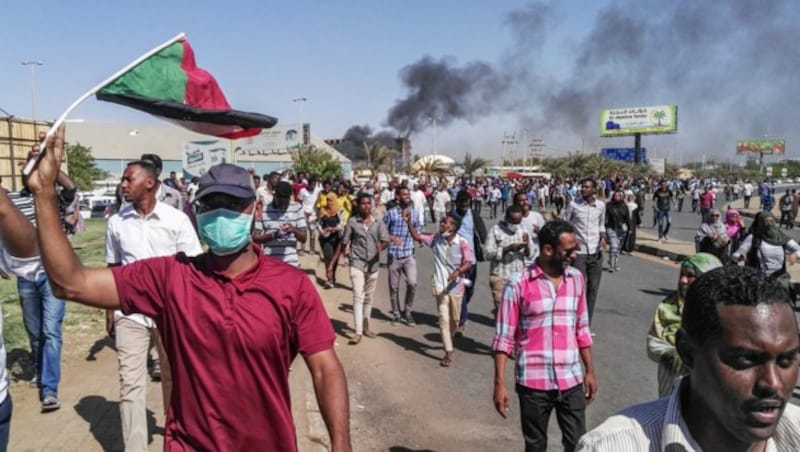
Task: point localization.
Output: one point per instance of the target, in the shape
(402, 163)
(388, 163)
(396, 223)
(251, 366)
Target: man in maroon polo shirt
(230, 331)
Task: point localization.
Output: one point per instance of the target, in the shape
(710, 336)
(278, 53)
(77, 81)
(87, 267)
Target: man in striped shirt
(281, 226)
(739, 337)
(543, 318)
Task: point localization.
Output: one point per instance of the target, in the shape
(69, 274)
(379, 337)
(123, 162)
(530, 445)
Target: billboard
(630, 121)
(658, 166)
(199, 156)
(279, 140)
(622, 154)
(776, 146)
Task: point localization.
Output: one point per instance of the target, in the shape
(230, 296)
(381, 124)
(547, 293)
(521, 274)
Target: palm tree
(431, 167)
(473, 165)
(378, 156)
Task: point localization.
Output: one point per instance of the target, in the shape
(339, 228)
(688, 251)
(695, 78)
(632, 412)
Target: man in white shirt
(164, 192)
(531, 222)
(747, 192)
(739, 338)
(143, 229)
(420, 204)
(18, 257)
(441, 202)
(308, 199)
(588, 215)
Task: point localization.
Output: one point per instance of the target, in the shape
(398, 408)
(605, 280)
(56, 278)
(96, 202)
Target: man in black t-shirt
(662, 203)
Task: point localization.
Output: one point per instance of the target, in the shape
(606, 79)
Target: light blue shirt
(467, 230)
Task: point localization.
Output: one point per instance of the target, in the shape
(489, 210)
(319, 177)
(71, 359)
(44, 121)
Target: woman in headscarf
(768, 248)
(667, 322)
(330, 228)
(618, 221)
(712, 237)
(734, 228)
(630, 238)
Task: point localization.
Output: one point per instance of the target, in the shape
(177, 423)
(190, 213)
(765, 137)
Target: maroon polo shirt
(230, 343)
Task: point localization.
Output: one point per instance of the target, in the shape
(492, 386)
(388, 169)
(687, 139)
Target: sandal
(370, 334)
(446, 361)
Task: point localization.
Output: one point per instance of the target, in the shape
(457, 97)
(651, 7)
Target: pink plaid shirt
(547, 326)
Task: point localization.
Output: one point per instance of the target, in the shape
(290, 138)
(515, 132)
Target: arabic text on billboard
(622, 154)
(630, 121)
(199, 156)
(761, 146)
(281, 140)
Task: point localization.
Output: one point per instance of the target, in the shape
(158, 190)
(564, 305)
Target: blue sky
(345, 58)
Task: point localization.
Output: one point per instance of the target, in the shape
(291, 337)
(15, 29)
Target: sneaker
(611, 269)
(328, 285)
(355, 340)
(410, 319)
(397, 320)
(616, 269)
(34, 383)
(50, 403)
(155, 373)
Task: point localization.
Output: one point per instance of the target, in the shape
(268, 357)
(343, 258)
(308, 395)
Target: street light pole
(32, 65)
(300, 101)
(434, 119)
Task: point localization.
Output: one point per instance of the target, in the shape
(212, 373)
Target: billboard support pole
(637, 148)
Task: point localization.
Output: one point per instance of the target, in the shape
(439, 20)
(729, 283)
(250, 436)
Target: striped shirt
(547, 326)
(398, 228)
(447, 257)
(284, 247)
(503, 264)
(25, 205)
(659, 425)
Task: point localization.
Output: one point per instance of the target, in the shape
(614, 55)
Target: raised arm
(68, 277)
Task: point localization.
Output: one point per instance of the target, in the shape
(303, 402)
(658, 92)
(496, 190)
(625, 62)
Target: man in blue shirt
(401, 256)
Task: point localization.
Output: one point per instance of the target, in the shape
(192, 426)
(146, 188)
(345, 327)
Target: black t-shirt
(663, 198)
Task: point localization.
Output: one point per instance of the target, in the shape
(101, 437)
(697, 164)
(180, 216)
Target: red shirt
(230, 344)
(707, 200)
(296, 187)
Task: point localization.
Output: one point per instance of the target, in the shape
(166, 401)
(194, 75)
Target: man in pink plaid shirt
(544, 321)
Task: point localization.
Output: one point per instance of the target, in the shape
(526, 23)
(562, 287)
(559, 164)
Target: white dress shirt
(589, 222)
(166, 231)
(659, 426)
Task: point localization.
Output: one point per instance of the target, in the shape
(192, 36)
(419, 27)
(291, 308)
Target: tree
(378, 156)
(473, 165)
(81, 167)
(431, 167)
(310, 159)
(659, 115)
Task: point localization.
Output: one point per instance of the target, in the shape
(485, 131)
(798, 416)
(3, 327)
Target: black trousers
(535, 408)
(591, 265)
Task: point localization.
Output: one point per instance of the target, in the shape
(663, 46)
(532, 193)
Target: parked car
(98, 207)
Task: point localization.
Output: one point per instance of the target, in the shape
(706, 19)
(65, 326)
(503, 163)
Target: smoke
(728, 65)
(354, 139)
(440, 89)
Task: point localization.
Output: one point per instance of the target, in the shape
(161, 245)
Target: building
(114, 145)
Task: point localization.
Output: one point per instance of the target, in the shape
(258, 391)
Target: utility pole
(32, 65)
(509, 142)
(433, 119)
(300, 101)
(537, 147)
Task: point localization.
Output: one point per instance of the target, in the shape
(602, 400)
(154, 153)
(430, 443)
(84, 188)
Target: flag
(169, 84)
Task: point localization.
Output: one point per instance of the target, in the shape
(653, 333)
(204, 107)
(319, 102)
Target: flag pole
(32, 163)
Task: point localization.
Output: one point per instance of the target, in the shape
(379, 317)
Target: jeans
(363, 290)
(615, 239)
(407, 266)
(664, 218)
(42, 314)
(535, 408)
(6, 407)
(591, 265)
(471, 274)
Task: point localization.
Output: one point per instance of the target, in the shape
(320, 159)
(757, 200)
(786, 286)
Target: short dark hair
(155, 160)
(462, 196)
(363, 195)
(456, 219)
(589, 179)
(514, 209)
(399, 189)
(729, 286)
(550, 234)
(147, 166)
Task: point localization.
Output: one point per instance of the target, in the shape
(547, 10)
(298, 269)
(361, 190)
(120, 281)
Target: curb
(660, 252)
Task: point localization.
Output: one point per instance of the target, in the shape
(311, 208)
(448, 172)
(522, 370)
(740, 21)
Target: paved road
(403, 400)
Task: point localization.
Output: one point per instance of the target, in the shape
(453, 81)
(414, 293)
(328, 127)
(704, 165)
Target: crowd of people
(189, 287)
